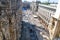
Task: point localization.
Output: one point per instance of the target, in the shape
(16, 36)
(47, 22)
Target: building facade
(10, 23)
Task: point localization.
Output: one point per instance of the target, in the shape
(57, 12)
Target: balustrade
(45, 13)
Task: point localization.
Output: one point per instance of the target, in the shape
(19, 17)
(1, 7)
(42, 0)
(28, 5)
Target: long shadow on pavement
(28, 32)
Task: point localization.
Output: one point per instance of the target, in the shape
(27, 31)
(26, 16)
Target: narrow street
(28, 29)
(31, 28)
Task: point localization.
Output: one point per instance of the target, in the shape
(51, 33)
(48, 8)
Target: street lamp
(48, 1)
(37, 2)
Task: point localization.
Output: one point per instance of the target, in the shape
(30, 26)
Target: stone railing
(45, 12)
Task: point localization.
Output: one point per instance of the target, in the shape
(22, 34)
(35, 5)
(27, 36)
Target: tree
(38, 2)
